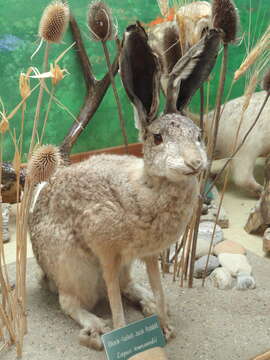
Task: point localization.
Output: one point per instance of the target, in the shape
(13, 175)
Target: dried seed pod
(54, 22)
(43, 163)
(100, 21)
(266, 81)
(171, 47)
(225, 17)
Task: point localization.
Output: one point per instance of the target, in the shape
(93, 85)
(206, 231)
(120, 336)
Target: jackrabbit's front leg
(152, 267)
(111, 271)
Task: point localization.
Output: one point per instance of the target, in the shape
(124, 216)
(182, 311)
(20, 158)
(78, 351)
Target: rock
(235, 263)
(200, 264)
(245, 281)
(221, 279)
(156, 353)
(266, 240)
(202, 247)
(229, 247)
(206, 229)
(5, 220)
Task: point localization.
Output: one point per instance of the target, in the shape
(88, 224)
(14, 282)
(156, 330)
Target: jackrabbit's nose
(195, 164)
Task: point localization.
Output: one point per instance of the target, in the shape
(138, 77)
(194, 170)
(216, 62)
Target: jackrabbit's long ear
(191, 71)
(140, 73)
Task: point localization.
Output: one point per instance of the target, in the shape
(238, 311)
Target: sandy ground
(210, 324)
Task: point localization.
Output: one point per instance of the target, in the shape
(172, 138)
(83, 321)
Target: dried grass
(262, 46)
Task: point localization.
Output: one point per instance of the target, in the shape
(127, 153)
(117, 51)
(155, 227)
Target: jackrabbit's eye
(157, 139)
(199, 138)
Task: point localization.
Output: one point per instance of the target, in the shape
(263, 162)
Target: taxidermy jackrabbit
(256, 145)
(93, 219)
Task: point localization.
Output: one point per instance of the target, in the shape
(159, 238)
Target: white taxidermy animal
(94, 218)
(256, 145)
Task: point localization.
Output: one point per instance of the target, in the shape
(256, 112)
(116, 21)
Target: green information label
(133, 339)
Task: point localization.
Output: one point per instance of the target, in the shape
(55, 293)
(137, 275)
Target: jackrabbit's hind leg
(242, 172)
(45, 282)
(92, 326)
(136, 294)
(152, 267)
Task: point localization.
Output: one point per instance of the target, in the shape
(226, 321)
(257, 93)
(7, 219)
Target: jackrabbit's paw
(91, 337)
(168, 331)
(149, 307)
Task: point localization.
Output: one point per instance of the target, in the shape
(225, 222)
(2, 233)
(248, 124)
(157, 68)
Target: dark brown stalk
(219, 100)
(96, 91)
(195, 234)
(201, 109)
(86, 65)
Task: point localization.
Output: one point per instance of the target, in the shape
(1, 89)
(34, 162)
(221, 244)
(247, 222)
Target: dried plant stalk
(163, 7)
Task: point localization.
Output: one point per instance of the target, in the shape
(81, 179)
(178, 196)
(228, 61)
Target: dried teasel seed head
(99, 19)
(225, 17)
(43, 163)
(4, 124)
(266, 82)
(24, 84)
(54, 22)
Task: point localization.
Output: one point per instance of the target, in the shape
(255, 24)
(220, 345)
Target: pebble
(206, 229)
(229, 247)
(221, 279)
(235, 263)
(202, 247)
(5, 219)
(199, 266)
(245, 281)
(204, 237)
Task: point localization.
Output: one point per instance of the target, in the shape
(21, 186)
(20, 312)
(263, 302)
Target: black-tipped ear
(191, 71)
(140, 73)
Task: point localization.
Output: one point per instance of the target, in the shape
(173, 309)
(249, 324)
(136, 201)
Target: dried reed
(163, 7)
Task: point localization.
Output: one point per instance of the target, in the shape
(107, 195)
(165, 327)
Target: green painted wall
(18, 40)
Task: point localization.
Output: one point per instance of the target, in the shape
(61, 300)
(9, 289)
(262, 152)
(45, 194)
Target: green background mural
(18, 40)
